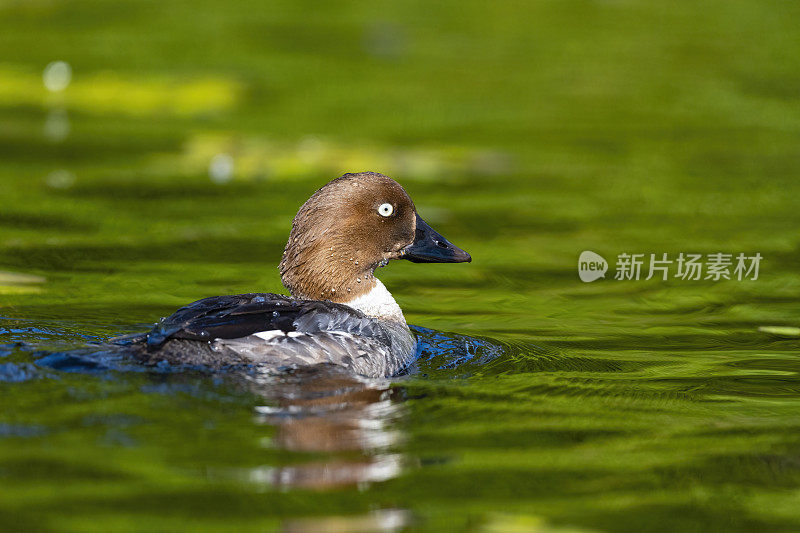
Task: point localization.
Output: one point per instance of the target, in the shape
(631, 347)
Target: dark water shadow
(42, 221)
(103, 257)
(133, 189)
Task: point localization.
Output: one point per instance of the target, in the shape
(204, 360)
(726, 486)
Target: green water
(526, 133)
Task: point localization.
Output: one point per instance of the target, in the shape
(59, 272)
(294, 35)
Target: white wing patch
(273, 334)
(269, 335)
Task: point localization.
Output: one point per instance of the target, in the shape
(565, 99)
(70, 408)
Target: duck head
(347, 229)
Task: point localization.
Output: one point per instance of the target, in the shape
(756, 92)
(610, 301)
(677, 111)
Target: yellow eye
(385, 210)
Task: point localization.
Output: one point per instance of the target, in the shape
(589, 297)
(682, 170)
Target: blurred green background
(155, 152)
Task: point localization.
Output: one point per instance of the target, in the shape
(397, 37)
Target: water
(167, 167)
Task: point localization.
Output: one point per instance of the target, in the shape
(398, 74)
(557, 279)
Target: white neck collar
(378, 303)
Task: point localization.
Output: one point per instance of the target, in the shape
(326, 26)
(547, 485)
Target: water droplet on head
(275, 313)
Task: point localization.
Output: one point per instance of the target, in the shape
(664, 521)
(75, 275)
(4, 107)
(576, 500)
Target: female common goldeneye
(339, 312)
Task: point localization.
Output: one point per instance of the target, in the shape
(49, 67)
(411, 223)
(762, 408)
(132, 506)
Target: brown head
(349, 227)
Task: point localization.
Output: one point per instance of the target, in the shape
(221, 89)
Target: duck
(337, 311)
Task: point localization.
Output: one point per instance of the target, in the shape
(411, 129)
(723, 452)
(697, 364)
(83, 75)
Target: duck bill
(430, 247)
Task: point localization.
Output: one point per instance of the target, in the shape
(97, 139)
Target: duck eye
(385, 210)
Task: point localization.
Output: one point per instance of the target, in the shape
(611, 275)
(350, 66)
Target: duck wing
(240, 315)
(276, 331)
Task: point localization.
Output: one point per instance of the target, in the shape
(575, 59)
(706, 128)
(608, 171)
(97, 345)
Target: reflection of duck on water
(324, 409)
(339, 312)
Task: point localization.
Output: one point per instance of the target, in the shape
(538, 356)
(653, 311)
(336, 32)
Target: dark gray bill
(430, 247)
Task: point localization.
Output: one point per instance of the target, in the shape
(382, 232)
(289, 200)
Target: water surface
(526, 135)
